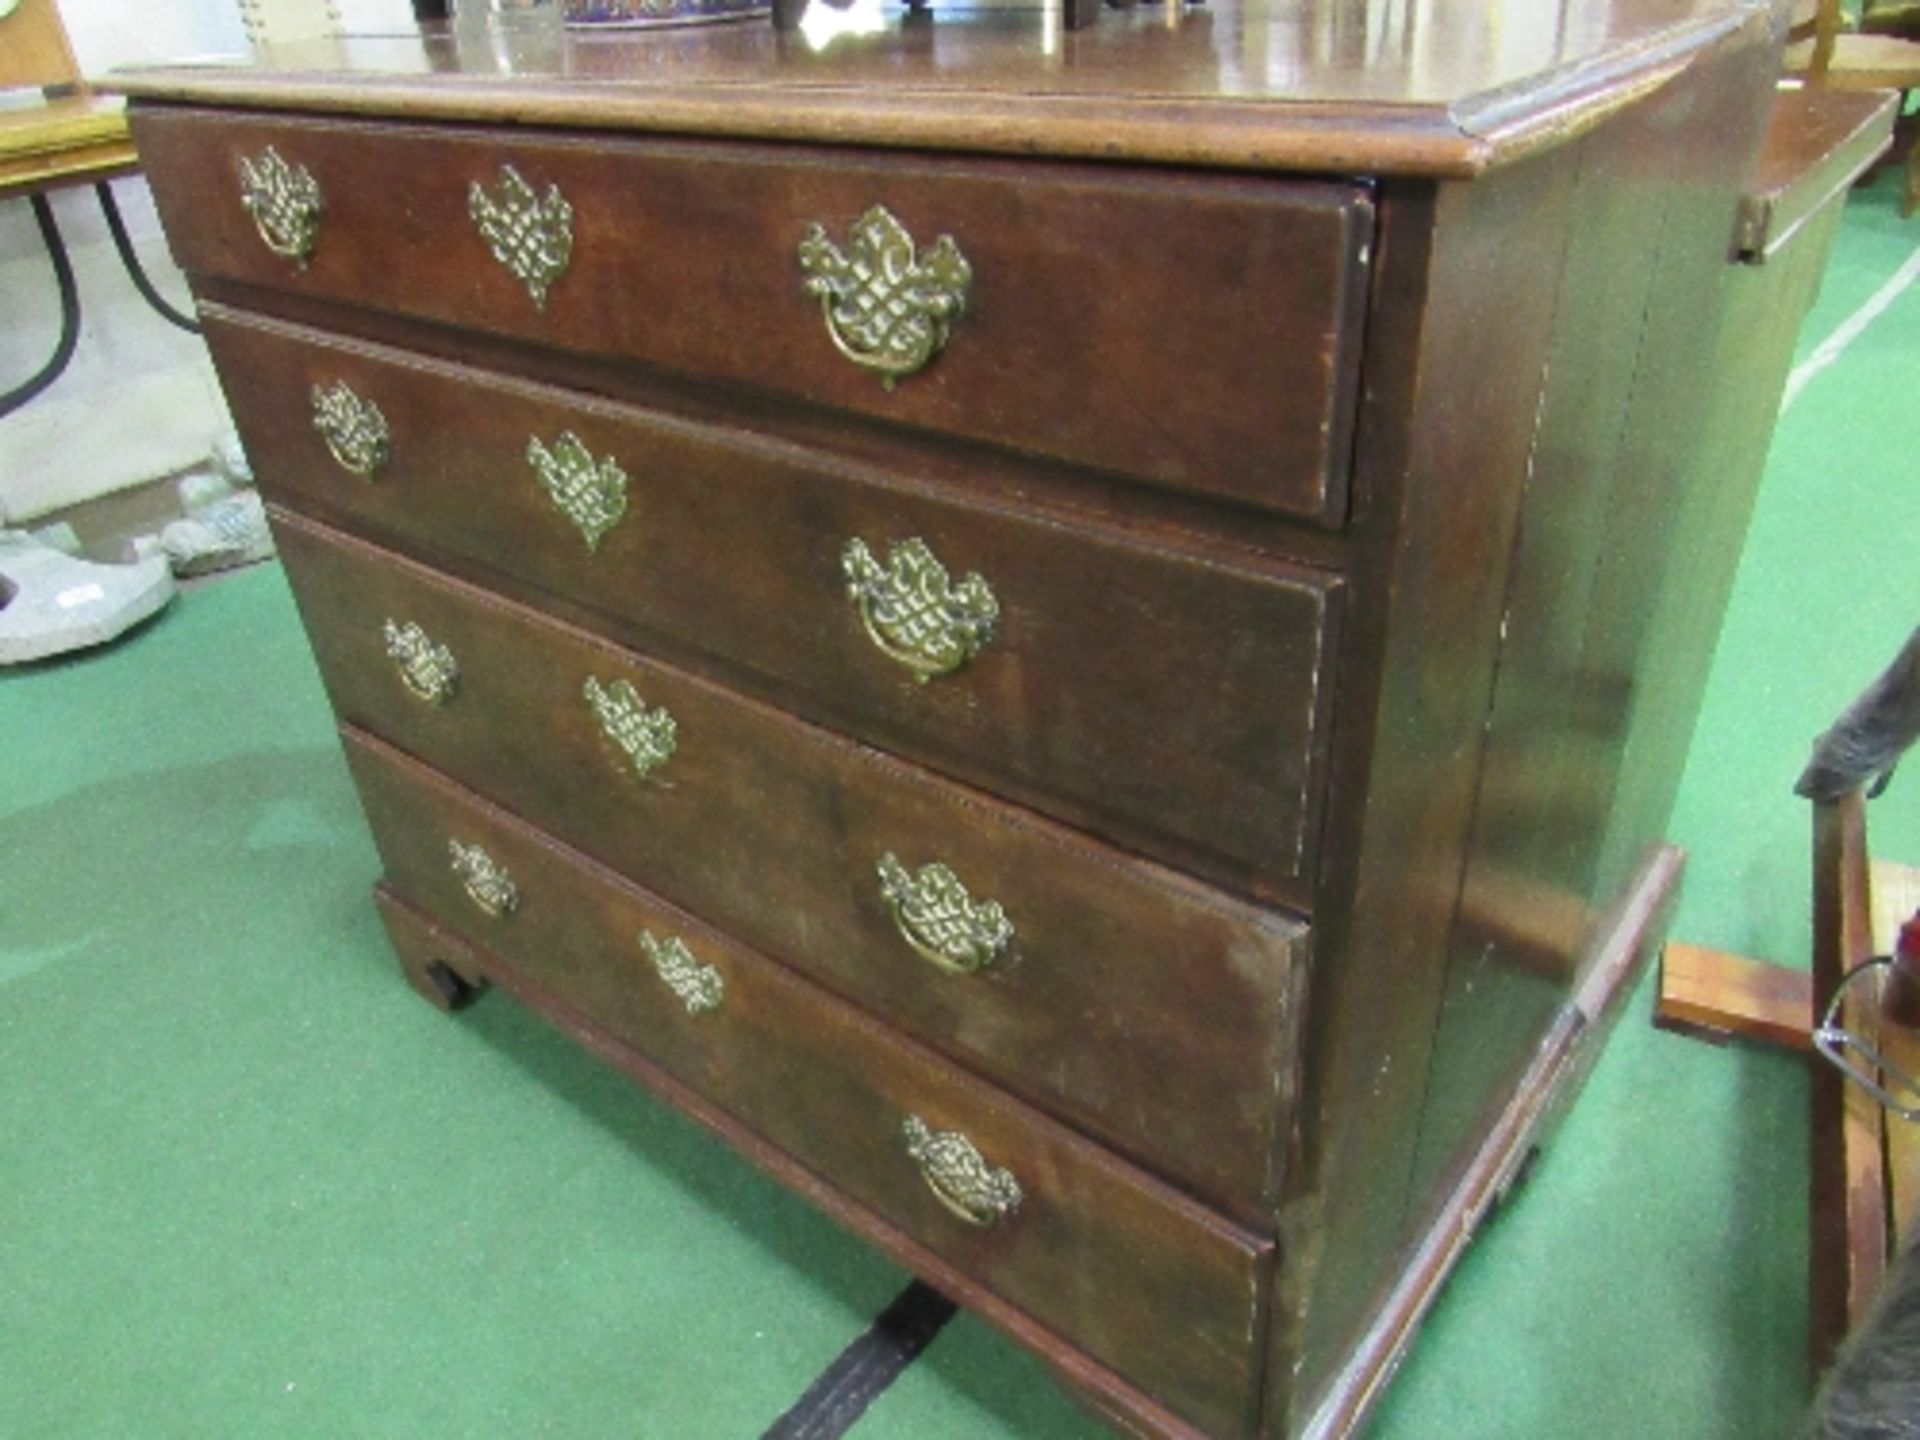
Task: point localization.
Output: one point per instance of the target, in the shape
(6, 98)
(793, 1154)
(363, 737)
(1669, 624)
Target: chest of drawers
(1080, 643)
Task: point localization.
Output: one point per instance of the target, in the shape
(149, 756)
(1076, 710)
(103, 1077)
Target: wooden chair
(1836, 58)
(73, 137)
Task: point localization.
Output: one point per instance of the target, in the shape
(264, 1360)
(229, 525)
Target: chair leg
(135, 270)
(13, 399)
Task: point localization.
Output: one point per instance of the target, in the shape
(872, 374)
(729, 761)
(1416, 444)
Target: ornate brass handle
(532, 235)
(959, 1176)
(487, 884)
(886, 310)
(354, 429)
(646, 737)
(427, 667)
(284, 201)
(913, 612)
(943, 924)
(699, 986)
(591, 493)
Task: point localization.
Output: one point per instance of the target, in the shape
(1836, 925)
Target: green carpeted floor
(251, 1186)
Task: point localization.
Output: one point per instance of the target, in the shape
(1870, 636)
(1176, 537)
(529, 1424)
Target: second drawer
(1158, 1014)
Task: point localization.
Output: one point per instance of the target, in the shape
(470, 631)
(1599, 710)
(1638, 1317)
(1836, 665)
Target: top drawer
(1196, 332)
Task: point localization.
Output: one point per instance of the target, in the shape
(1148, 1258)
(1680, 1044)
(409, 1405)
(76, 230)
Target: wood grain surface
(685, 259)
(1141, 1279)
(1171, 703)
(1156, 1013)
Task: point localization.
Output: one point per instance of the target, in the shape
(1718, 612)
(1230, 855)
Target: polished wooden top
(1446, 87)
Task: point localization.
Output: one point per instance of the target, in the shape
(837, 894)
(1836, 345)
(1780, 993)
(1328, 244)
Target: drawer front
(1169, 703)
(1196, 332)
(1144, 1281)
(1151, 1011)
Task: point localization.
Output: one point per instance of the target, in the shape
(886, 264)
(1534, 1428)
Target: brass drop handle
(887, 310)
(530, 234)
(913, 612)
(427, 668)
(354, 429)
(284, 201)
(960, 1177)
(699, 986)
(487, 883)
(940, 921)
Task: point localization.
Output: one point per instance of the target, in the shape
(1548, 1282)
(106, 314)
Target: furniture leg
(436, 964)
(13, 399)
(135, 270)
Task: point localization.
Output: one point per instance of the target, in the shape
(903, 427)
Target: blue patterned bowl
(636, 14)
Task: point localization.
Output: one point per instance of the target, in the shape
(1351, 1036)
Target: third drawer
(1158, 1014)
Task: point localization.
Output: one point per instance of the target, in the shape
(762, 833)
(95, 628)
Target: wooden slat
(1848, 1253)
(64, 142)
(1723, 995)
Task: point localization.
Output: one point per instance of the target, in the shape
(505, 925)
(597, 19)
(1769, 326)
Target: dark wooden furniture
(1135, 781)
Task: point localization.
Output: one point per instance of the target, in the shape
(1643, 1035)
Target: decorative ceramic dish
(636, 14)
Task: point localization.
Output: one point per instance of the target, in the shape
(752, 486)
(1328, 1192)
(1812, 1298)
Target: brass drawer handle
(912, 610)
(532, 235)
(487, 884)
(354, 429)
(943, 924)
(427, 667)
(886, 310)
(284, 201)
(646, 737)
(959, 1176)
(591, 493)
(699, 986)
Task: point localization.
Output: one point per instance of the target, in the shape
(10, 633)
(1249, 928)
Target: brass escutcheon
(591, 493)
(646, 737)
(530, 234)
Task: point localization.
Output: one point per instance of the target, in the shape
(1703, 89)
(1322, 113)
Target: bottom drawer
(1134, 1275)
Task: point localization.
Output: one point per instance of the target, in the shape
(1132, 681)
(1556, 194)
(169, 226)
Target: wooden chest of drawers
(1079, 643)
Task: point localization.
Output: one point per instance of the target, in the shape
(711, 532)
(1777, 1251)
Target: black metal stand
(135, 270)
(13, 399)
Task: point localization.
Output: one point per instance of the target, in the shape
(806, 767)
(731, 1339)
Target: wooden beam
(1719, 996)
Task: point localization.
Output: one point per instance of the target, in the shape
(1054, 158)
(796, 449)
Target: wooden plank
(1720, 996)
(64, 142)
(1848, 1253)
(1454, 105)
(1819, 142)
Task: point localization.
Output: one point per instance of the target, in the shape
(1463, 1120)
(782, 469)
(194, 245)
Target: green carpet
(251, 1186)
